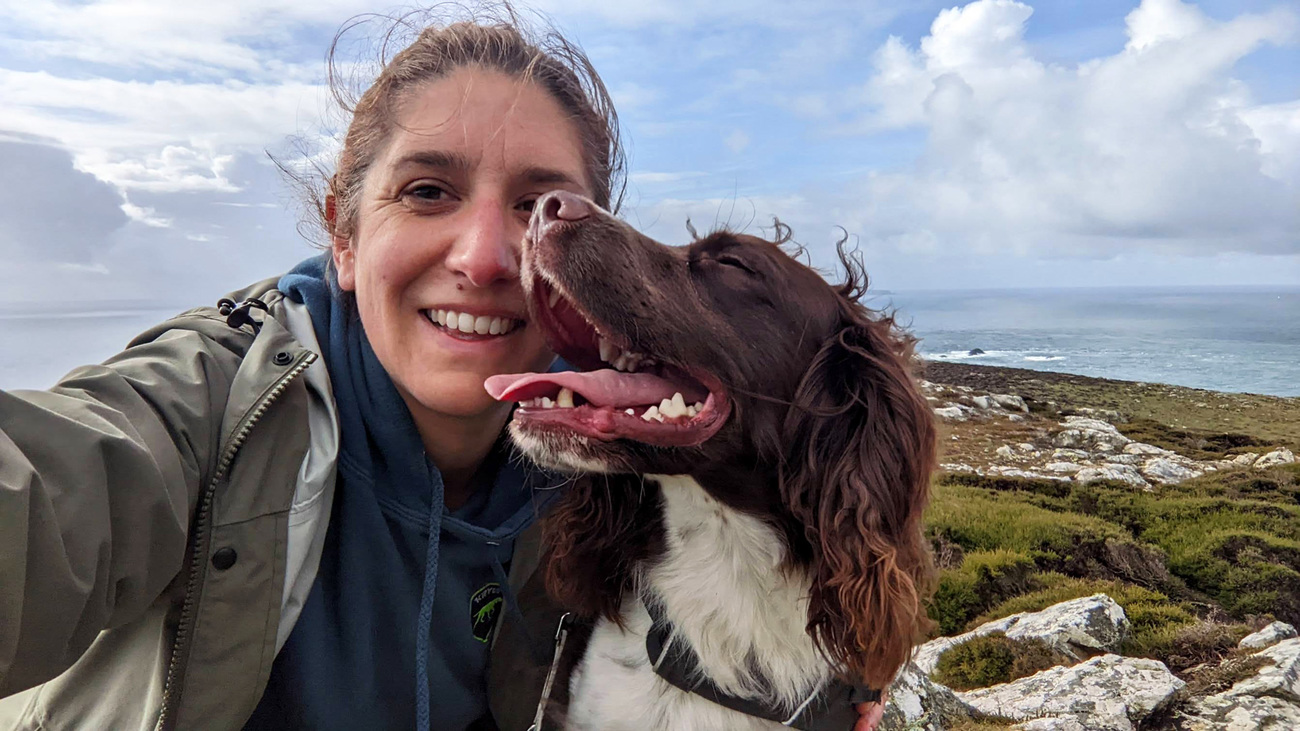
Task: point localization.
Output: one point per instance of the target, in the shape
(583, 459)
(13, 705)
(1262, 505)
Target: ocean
(1225, 339)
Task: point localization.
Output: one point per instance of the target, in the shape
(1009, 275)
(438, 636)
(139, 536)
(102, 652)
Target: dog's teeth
(630, 412)
(565, 399)
(699, 405)
(679, 403)
(555, 297)
(547, 403)
(652, 413)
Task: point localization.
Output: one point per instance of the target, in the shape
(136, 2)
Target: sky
(995, 144)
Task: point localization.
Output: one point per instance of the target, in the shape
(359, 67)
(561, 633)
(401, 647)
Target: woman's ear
(861, 443)
(340, 247)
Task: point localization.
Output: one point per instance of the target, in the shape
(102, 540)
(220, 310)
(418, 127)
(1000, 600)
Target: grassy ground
(1195, 565)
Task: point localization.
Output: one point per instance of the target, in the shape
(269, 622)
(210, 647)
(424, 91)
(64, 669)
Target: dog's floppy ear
(861, 445)
(600, 528)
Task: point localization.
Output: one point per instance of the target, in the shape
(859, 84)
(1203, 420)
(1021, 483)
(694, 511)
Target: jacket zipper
(202, 537)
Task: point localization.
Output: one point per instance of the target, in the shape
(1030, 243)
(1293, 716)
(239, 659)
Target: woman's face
(440, 220)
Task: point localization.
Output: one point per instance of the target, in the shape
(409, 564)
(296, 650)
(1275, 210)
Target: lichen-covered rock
(1092, 434)
(955, 412)
(1010, 402)
(1245, 460)
(1166, 471)
(1141, 448)
(1112, 471)
(1089, 623)
(1241, 714)
(1267, 637)
(1104, 693)
(983, 402)
(1006, 452)
(1028, 474)
(917, 703)
(1275, 458)
(1068, 468)
(1268, 700)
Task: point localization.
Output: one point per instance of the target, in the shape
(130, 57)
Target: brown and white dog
(754, 457)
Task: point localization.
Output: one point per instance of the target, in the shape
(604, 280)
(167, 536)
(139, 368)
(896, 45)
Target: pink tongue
(606, 387)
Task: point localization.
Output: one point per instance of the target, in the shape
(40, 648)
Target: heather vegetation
(1196, 562)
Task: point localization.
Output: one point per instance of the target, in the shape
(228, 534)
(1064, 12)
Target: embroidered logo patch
(484, 607)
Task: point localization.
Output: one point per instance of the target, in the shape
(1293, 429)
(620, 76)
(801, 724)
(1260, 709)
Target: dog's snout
(561, 205)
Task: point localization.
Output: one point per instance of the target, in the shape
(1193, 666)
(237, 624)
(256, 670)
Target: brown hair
(493, 37)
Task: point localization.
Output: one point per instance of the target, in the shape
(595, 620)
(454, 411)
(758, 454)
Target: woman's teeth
(467, 323)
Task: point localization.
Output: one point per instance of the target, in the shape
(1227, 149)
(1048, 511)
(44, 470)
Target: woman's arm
(98, 478)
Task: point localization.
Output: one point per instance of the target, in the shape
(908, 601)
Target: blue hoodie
(396, 629)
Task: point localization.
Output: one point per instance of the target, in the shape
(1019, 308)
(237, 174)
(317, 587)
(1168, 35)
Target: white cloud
(1155, 147)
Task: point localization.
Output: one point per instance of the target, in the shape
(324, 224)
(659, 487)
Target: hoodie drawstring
(427, 591)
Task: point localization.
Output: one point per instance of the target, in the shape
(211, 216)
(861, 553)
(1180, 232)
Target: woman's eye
(427, 192)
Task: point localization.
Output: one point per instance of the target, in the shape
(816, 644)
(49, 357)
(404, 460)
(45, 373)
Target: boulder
(1006, 452)
(974, 351)
(1010, 402)
(1245, 460)
(1082, 432)
(1112, 471)
(1141, 448)
(1268, 700)
(917, 703)
(983, 402)
(1075, 628)
(1167, 471)
(1275, 458)
(1267, 637)
(1067, 468)
(1069, 454)
(1106, 692)
(954, 412)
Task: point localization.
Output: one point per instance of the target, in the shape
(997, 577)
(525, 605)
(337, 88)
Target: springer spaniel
(753, 457)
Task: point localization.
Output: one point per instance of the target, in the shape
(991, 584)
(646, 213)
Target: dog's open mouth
(619, 393)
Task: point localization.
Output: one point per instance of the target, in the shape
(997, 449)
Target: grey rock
(917, 703)
(1275, 458)
(1167, 471)
(1141, 448)
(1111, 471)
(1268, 700)
(952, 413)
(1075, 628)
(1267, 637)
(1245, 460)
(1107, 692)
(1010, 402)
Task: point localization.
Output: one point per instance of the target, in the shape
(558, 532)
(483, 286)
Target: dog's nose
(561, 205)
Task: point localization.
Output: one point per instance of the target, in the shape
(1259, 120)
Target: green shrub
(993, 659)
(983, 579)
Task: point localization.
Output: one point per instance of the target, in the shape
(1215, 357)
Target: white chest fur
(726, 593)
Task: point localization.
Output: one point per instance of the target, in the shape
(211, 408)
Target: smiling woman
(298, 509)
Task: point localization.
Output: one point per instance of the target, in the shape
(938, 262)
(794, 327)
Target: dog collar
(832, 707)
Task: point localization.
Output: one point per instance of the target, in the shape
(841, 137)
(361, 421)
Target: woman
(228, 524)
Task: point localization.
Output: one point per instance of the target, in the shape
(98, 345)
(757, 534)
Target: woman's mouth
(471, 327)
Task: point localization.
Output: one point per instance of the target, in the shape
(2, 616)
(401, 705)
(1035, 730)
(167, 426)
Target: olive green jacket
(161, 521)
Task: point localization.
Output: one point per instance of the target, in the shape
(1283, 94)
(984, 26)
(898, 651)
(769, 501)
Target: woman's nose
(487, 251)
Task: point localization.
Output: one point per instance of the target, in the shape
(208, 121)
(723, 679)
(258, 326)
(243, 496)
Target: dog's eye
(736, 262)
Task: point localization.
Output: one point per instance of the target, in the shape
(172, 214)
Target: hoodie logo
(484, 607)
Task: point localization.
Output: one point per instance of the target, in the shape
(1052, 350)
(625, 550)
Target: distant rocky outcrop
(1083, 447)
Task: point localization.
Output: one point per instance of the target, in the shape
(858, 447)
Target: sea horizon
(1233, 338)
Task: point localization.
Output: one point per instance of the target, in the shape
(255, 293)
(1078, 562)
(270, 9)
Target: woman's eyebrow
(541, 175)
(434, 159)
